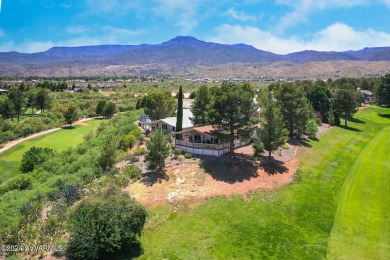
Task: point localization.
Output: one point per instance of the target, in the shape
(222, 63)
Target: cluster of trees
(158, 105)
(230, 109)
(105, 108)
(17, 100)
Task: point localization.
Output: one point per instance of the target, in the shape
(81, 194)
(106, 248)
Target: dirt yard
(207, 176)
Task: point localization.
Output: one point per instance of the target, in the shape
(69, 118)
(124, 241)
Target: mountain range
(183, 51)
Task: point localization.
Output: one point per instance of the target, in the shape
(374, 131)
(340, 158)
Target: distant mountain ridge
(183, 51)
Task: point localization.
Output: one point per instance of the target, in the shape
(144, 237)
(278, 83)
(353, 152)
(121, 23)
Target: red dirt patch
(206, 177)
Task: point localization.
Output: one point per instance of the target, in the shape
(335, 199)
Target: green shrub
(285, 146)
(176, 152)
(133, 172)
(139, 151)
(22, 182)
(311, 128)
(34, 157)
(188, 155)
(105, 226)
(258, 148)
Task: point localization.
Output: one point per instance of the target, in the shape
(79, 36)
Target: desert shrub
(188, 155)
(258, 148)
(285, 146)
(105, 226)
(71, 194)
(128, 141)
(176, 152)
(139, 151)
(133, 172)
(22, 182)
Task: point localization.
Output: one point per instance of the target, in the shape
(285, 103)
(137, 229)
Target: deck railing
(201, 145)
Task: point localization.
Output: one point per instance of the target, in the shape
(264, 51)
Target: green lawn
(362, 224)
(294, 222)
(59, 140)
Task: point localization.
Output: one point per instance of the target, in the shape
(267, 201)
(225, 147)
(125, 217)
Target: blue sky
(280, 26)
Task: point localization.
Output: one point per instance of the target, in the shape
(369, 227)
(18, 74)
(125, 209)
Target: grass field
(59, 140)
(362, 224)
(294, 222)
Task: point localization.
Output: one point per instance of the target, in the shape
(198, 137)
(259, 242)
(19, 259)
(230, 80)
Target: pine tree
(383, 93)
(272, 133)
(345, 103)
(158, 150)
(200, 106)
(179, 116)
(231, 113)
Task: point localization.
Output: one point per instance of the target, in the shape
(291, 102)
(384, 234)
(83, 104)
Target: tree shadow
(350, 128)
(272, 167)
(152, 177)
(132, 251)
(230, 168)
(67, 127)
(384, 115)
(356, 120)
(300, 142)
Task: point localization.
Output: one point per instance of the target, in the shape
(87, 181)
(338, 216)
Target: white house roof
(187, 115)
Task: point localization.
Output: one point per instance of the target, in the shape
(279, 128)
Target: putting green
(361, 228)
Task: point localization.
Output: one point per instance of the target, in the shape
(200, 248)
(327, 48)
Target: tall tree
(70, 115)
(159, 105)
(346, 102)
(383, 93)
(272, 133)
(17, 98)
(179, 116)
(158, 149)
(100, 107)
(7, 109)
(295, 108)
(201, 106)
(109, 109)
(31, 100)
(232, 112)
(43, 100)
(320, 97)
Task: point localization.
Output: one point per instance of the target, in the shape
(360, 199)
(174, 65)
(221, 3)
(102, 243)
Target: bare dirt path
(11, 144)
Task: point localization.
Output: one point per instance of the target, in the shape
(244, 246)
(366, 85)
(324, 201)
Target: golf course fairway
(362, 224)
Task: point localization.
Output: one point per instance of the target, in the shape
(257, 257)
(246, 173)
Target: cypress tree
(179, 118)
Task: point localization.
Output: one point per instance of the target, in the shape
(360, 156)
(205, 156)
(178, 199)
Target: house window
(164, 126)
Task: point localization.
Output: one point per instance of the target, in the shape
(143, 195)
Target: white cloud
(117, 7)
(337, 37)
(182, 12)
(240, 16)
(303, 8)
(76, 29)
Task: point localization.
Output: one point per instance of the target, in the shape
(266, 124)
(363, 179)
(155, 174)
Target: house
(168, 124)
(202, 140)
(368, 96)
